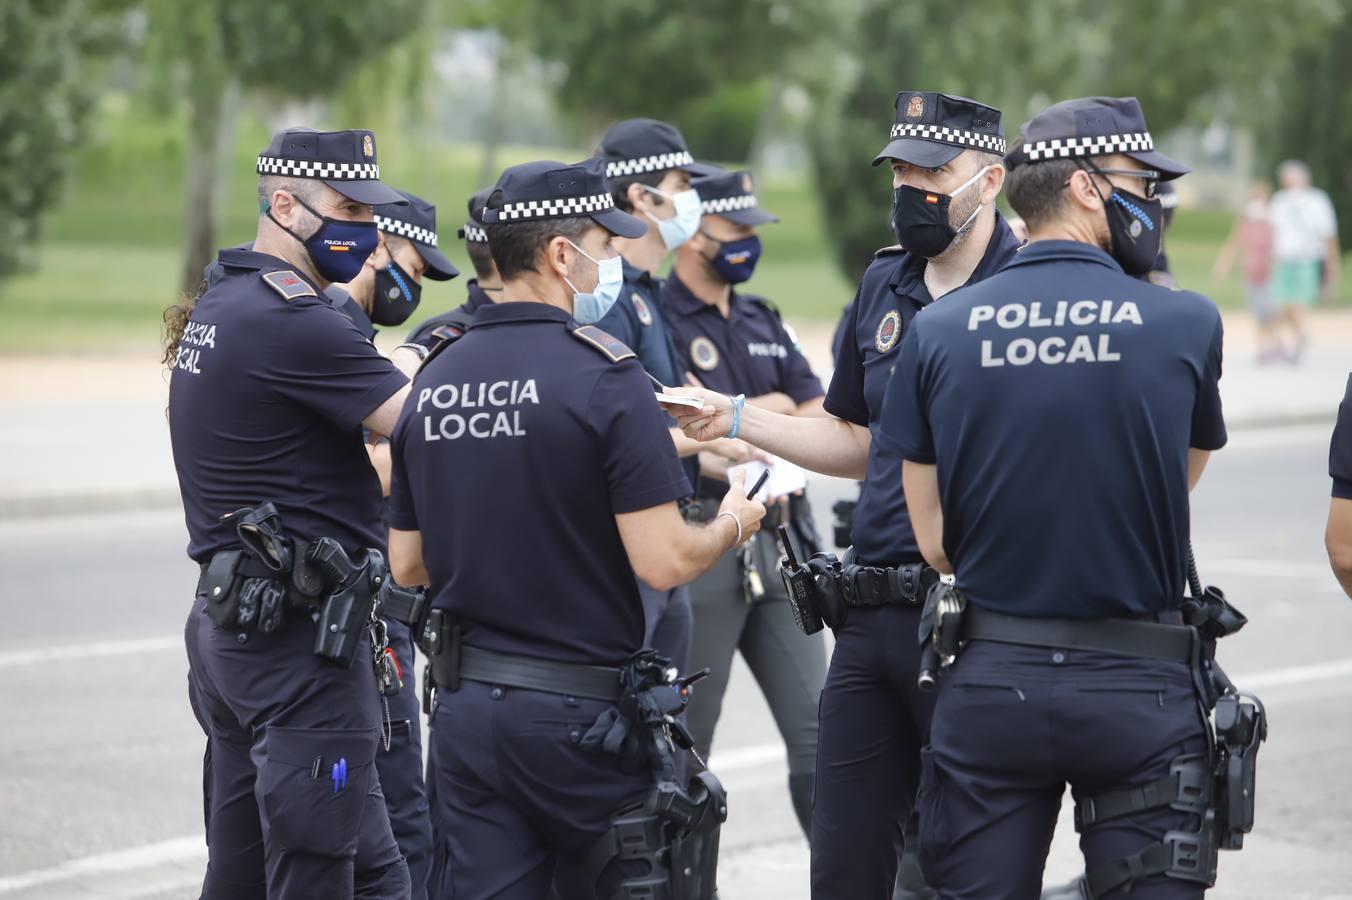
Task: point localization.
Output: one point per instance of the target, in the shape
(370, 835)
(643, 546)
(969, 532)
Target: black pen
(760, 483)
(660, 385)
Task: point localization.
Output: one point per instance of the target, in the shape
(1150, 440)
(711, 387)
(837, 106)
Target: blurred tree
(50, 55)
(1308, 122)
(646, 58)
(286, 49)
(1183, 60)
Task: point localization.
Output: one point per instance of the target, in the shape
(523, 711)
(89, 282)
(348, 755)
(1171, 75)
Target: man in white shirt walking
(1306, 255)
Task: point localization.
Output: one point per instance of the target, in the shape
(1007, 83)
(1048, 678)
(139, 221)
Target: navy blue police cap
(473, 230)
(932, 128)
(1092, 126)
(639, 146)
(553, 190)
(344, 160)
(731, 195)
(417, 221)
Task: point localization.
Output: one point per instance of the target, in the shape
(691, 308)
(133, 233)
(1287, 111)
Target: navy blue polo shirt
(1059, 399)
(456, 318)
(266, 402)
(750, 352)
(343, 302)
(637, 320)
(1340, 448)
(516, 450)
(891, 293)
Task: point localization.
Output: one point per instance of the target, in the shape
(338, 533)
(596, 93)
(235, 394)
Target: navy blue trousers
(873, 720)
(517, 803)
(1014, 725)
(292, 802)
(401, 768)
(668, 622)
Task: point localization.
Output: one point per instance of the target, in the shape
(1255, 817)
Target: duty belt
(873, 586)
(1129, 637)
(450, 662)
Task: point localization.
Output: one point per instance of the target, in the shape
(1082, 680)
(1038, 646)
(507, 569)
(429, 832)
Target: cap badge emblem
(916, 108)
(368, 146)
(889, 329)
(746, 183)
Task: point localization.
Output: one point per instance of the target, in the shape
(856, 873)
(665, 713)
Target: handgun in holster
(346, 614)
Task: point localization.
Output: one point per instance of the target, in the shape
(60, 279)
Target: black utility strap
(489, 667)
(1187, 857)
(1123, 636)
(869, 586)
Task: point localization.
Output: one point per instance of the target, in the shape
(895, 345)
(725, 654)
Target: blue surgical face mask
(591, 307)
(338, 248)
(682, 226)
(736, 260)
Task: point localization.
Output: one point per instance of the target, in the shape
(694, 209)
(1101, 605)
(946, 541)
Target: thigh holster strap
(1187, 787)
(1185, 855)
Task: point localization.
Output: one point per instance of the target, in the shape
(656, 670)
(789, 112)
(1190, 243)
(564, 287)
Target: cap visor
(620, 223)
(918, 152)
(702, 170)
(439, 268)
(372, 193)
(1169, 169)
(753, 216)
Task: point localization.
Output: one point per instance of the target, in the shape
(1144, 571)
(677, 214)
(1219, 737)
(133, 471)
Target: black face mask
(396, 296)
(920, 218)
(1135, 226)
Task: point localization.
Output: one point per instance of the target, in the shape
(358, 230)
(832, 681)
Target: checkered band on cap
(474, 234)
(300, 168)
(728, 204)
(553, 209)
(1100, 145)
(404, 229)
(659, 163)
(993, 143)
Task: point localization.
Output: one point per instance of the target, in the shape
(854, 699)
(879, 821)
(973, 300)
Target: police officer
(736, 342)
(946, 173)
(1338, 534)
(485, 287)
(649, 168)
(269, 391)
(537, 621)
(1070, 406)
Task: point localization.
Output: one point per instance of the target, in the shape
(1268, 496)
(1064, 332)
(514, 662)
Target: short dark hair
(481, 257)
(1036, 190)
(619, 188)
(516, 246)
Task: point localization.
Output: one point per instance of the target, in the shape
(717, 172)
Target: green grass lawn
(111, 258)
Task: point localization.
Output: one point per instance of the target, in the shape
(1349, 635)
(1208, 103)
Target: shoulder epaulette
(893, 250)
(765, 302)
(288, 284)
(439, 343)
(612, 348)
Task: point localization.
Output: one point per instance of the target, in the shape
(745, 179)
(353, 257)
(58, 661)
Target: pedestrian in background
(1250, 241)
(1306, 256)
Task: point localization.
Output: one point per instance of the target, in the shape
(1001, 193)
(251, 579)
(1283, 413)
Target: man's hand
(710, 423)
(748, 512)
(737, 451)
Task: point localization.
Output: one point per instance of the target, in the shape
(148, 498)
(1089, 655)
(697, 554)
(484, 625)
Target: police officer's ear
(558, 256)
(992, 182)
(1084, 194)
(640, 197)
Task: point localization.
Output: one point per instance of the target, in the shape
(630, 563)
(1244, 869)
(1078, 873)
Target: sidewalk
(86, 433)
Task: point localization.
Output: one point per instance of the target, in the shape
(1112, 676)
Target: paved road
(102, 756)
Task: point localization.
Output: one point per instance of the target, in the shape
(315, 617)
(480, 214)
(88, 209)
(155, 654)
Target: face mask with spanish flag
(920, 218)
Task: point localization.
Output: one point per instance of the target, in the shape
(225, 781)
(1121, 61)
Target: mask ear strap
(268, 212)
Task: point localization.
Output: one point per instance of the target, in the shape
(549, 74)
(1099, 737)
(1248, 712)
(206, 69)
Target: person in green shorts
(1306, 255)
